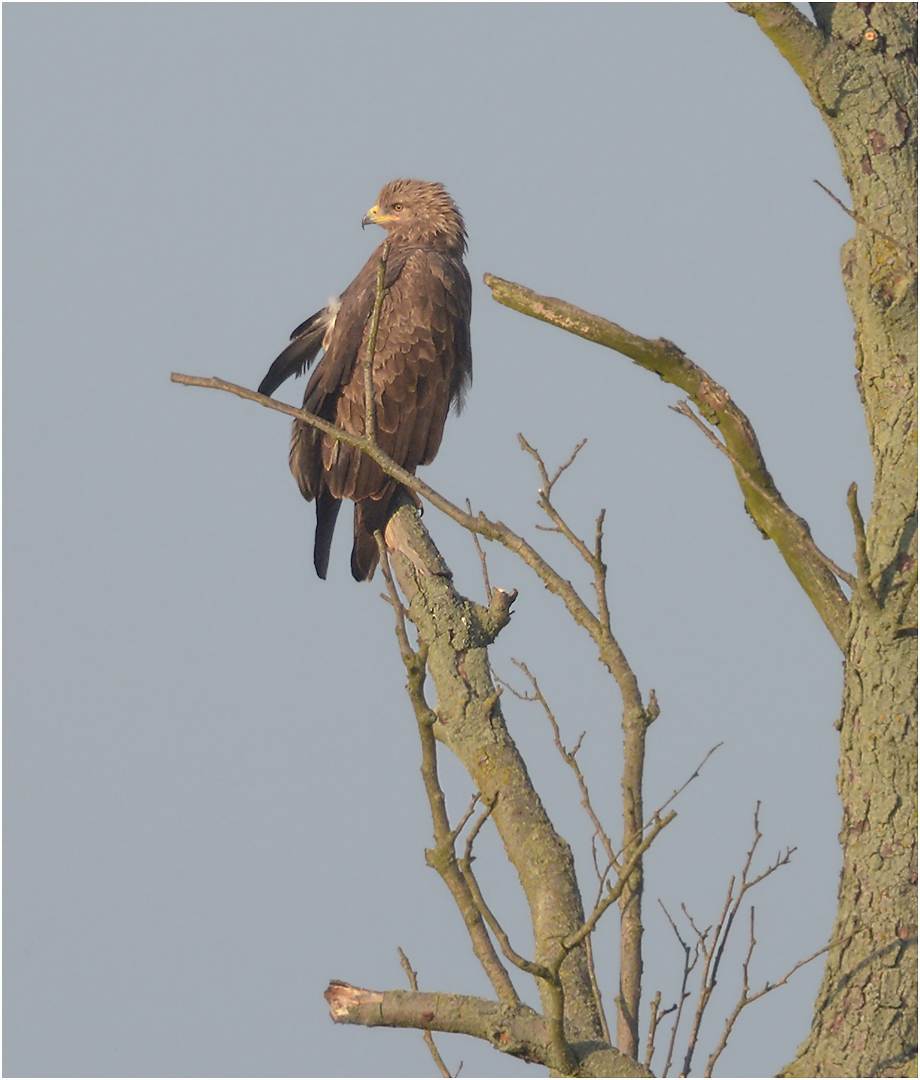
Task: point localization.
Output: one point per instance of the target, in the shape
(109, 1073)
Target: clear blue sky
(212, 795)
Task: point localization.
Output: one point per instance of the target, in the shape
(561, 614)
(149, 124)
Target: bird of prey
(422, 365)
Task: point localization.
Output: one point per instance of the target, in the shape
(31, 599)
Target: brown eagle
(422, 365)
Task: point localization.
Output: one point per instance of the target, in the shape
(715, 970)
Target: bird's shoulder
(408, 266)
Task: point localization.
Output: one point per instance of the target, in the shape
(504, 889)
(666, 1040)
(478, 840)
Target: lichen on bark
(860, 68)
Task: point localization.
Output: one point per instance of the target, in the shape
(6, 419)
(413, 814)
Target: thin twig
(689, 965)
(839, 202)
(657, 1015)
(600, 588)
(616, 891)
(747, 998)
(546, 504)
(714, 951)
(474, 832)
(596, 990)
(370, 409)
(538, 971)
(426, 1035)
(570, 759)
(652, 1027)
(684, 409)
(693, 776)
(409, 655)
(482, 555)
(912, 252)
(461, 824)
(613, 863)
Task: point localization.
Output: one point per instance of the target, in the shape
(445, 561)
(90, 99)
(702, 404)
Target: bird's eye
(397, 206)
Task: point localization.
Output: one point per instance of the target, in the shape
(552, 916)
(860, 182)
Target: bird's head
(418, 212)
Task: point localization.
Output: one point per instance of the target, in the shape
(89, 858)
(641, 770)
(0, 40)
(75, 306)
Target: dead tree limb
(762, 498)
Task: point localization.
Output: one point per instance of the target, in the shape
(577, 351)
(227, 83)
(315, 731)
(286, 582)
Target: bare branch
(689, 965)
(474, 832)
(748, 998)
(615, 891)
(511, 1029)
(713, 950)
(538, 971)
(657, 1015)
(546, 504)
(596, 989)
(443, 857)
(480, 553)
(549, 484)
(570, 760)
(461, 824)
(635, 722)
(409, 655)
(772, 515)
(370, 408)
(693, 776)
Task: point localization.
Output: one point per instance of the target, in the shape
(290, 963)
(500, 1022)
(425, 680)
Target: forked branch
(747, 998)
(763, 500)
(709, 948)
(442, 857)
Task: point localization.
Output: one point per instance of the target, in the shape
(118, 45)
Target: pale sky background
(213, 804)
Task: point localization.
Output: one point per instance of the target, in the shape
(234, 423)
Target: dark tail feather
(306, 341)
(327, 510)
(370, 515)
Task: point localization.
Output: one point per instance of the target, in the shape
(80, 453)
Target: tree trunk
(859, 65)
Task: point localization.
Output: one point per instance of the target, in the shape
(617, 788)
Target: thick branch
(456, 634)
(766, 506)
(515, 1030)
(795, 37)
(443, 856)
